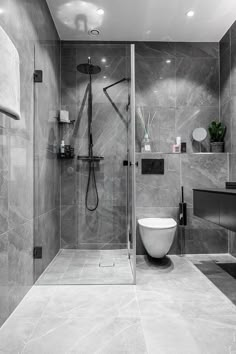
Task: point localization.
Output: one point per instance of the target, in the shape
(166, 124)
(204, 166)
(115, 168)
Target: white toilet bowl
(157, 235)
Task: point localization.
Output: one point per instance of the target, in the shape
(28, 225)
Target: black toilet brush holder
(182, 210)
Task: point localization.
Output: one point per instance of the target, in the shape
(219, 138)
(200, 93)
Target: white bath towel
(9, 77)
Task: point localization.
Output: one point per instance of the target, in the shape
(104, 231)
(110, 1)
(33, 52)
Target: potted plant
(217, 132)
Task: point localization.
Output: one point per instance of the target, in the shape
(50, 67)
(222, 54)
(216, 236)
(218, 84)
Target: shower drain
(107, 264)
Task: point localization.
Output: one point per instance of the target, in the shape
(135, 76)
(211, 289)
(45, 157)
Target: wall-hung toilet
(157, 235)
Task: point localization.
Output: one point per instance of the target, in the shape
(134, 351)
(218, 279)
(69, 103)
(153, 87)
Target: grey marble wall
(159, 196)
(228, 103)
(28, 24)
(177, 89)
(106, 227)
(228, 86)
(46, 163)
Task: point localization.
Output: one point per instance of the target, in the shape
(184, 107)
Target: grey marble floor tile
(97, 335)
(72, 266)
(173, 309)
(15, 333)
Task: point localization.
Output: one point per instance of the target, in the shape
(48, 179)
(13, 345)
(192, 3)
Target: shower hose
(91, 180)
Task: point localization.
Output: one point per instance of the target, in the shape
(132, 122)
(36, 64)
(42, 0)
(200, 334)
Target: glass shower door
(90, 246)
(132, 168)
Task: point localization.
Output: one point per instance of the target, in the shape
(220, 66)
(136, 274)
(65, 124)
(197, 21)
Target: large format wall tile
(232, 59)
(197, 49)
(226, 119)
(4, 310)
(4, 210)
(232, 243)
(20, 263)
(228, 86)
(155, 82)
(20, 181)
(201, 236)
(228, 104)
(155, 49)
(47, 183)
(203, 171)
(179, 82)
(46, 235)
(160, 123)
(32, 31)
(225, 68)
(197, 82)
(159, 190)
(191, 171)
(106, 227)
(69, 226)
(190, 117)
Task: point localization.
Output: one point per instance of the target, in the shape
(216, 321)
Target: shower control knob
(134, 164)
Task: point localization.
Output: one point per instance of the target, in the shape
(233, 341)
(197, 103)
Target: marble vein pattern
(106, 227)
(159, 196)
(179, 83)
(209, 266)
(173, 308)
(73, 266)
(25, 147)
(228, 85)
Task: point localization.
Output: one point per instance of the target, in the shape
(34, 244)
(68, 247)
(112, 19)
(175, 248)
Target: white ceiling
(143, 20)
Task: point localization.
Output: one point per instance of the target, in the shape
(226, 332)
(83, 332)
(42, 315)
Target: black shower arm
(118, 82)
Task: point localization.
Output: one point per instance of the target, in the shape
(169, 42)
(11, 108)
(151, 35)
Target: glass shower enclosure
(85, 228)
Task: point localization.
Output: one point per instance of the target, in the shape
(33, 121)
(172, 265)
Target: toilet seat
(158, 223)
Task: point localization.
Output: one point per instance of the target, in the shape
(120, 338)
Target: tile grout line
(140, 317)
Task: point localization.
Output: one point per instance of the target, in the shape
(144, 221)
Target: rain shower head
(88, 68)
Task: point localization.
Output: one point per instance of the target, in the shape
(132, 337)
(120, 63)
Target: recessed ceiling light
(190, 13)
(1, 11)
(103, 60)
(104, 77)
(100, 11)
(168, 61)
(94, 32)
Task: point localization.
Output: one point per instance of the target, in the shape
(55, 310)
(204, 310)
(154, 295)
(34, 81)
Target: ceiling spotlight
(100, 11)
(168, 61)
(103, 60)
(104, 77)
(94, 32)
(1, 11)
(190, 13)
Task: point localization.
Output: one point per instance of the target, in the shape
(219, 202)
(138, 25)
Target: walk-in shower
(94, 220)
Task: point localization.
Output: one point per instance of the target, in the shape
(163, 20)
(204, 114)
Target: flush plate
(153, 167)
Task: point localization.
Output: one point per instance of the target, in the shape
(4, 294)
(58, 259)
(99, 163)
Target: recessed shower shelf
(64, 157)
(66, 123)
(90, 159)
